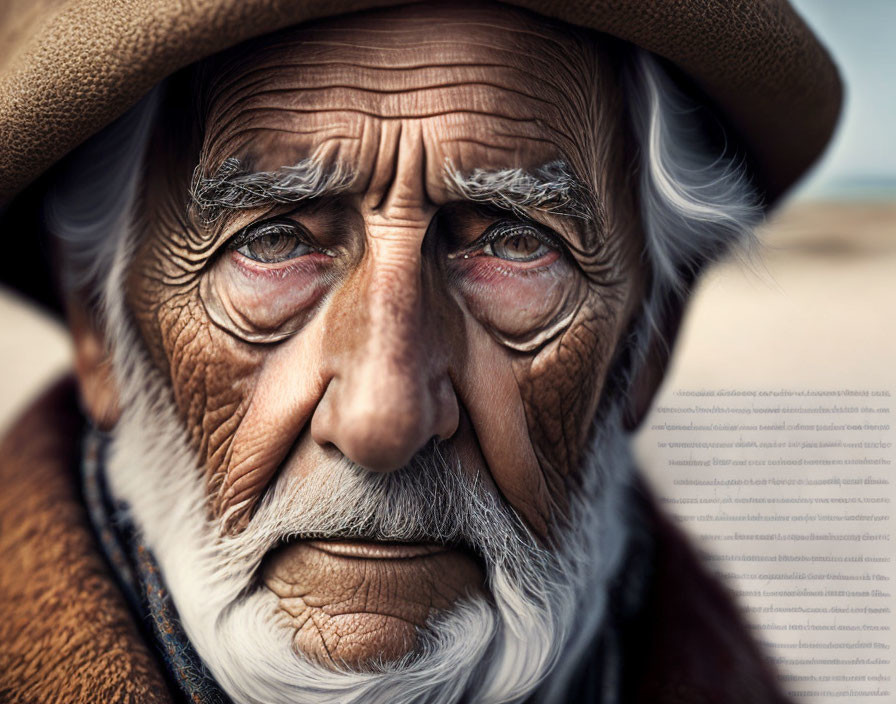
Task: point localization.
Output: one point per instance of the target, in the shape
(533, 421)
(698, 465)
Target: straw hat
(70, 67)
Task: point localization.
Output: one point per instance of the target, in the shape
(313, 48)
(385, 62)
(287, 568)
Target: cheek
(211, 376)
(537, 373)
(561, 389)
(533, 412)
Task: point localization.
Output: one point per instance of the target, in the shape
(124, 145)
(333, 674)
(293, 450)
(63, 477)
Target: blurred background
(817, 305)
(813, 309)
(816, 309)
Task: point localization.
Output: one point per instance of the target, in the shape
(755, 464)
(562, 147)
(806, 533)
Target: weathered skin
(391, 336)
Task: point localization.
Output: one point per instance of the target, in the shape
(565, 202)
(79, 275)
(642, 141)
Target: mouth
(368, 547)
(378, 550)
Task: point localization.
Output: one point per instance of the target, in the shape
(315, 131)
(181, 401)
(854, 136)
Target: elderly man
(363, 311)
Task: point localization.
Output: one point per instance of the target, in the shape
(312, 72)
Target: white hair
(90, 207)
(695, 205)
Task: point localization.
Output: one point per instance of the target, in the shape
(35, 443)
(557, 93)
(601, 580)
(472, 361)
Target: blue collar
(141, 581)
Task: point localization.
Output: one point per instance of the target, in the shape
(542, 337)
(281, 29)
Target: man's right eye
(273, 242)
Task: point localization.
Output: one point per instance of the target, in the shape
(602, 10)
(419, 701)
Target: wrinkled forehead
(477, 86)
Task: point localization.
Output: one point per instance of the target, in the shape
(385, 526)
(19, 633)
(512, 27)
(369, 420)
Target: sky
(861, 36)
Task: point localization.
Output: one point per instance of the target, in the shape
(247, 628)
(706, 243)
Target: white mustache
(431, 500)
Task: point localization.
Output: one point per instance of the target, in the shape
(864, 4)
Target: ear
(93, 368)
(653, 369)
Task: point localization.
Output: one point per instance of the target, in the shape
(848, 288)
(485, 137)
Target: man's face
(452, 265)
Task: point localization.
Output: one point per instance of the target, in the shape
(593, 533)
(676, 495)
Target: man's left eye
(272, 242)
(516, 243)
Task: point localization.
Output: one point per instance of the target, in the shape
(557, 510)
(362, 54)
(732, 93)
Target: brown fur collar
(66, 634)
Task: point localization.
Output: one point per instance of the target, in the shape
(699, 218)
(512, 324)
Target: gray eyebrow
(233, 187)
(552, 188)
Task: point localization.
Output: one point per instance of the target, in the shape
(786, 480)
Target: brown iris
(517, 247)
(516, 243)
(272, 242)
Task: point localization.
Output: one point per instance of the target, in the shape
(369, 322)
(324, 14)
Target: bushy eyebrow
(233, 187)
(552, 188)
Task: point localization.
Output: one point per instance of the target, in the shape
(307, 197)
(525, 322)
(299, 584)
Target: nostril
(447, 412)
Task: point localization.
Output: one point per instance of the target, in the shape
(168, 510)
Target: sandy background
(816, 307)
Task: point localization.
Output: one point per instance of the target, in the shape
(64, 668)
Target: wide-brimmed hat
(70, 67)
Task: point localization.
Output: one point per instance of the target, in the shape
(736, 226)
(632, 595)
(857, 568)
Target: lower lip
(371, 550)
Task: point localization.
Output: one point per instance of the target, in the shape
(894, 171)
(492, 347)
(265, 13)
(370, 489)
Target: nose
(387, 357)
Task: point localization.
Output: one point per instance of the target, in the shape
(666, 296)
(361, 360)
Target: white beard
(547, 604)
